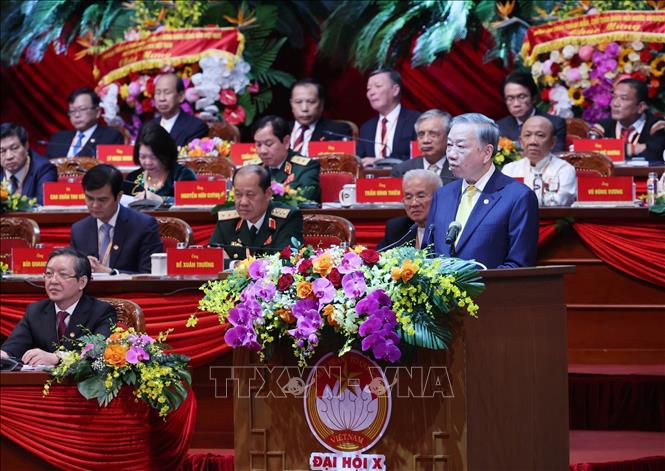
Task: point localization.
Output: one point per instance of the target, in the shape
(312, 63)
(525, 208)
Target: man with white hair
(498, 215)
(418, 187)
(537, 139)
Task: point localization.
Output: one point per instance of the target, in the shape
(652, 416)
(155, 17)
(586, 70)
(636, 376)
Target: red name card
(242, 152)
(316, 148)
(415, 149)
(28, 261)
(120, 155)
(194, 261)
(612, 148)
(379, 190)
(63, 194)
(200, 192)
(605, 189)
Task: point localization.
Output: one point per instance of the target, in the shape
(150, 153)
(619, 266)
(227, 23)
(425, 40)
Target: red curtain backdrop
(202, 343)
(75, 434)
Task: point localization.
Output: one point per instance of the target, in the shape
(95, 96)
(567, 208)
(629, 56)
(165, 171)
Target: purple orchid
(324, 290)
(350, 263)
(135, 355)
(378, 329)
(308, 322)
(354, 284)
(258, 269)
(288, 270)
(277, 188)
(242, 336)
(86, 349)
(265, 290)
(207, 146)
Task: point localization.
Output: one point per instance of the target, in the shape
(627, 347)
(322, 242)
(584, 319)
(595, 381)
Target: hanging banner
(169, 47)
(646, 26)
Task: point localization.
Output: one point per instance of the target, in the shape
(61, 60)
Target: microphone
(453, 231)
(427, 241)
(350, 138)
(400, 240)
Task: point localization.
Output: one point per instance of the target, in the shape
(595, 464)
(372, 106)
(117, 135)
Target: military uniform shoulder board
(300, 160)
(227, 214)
(280, 212)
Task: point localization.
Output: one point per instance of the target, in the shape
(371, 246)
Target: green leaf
(427, 333)
(92, 388)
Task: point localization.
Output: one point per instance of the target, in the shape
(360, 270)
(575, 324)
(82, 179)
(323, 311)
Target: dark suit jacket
(655, 144)
(40, 171)
(417, 164)
(502, 229)
(509, 128)
(405, 132)
(135, 238)
(396, 228)
(332, 126)
(187, 128)
(37, 328)
(59, 144)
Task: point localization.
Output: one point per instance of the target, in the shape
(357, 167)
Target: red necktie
(62, 327)
(625, 132)
(301, 138)
(384, 132)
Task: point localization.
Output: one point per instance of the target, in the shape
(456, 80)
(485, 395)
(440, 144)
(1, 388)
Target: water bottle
(652, 181)
(538, 186)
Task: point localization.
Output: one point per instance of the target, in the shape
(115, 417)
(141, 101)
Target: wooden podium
(505, 408)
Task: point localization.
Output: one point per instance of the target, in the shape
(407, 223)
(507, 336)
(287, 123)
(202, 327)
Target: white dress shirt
(547, 167)
(295, 132)
(169, 123)
(87, 134)
(390, 132)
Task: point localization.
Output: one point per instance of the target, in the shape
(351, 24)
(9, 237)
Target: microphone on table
(454, 230)
(400, 240)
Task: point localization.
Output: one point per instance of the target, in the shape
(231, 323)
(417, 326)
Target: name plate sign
(316, 148)
(200, 193)
(242, 152)
(379, 190)
(28, 261)
(613, 148)
(605, 189)
(120, 155)
(63, 194)
(194, 261)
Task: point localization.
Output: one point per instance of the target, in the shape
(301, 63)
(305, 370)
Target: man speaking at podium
(485, 216)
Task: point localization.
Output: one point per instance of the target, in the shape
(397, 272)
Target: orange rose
(114, 355)
(323, 265)
(329, 312)
(286, 315)
(408, 270)
(303, 289)
(114, 337)
(396, 273)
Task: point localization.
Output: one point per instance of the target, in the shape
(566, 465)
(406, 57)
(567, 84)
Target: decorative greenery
(380, 300)
(102, 366)
(10, 202)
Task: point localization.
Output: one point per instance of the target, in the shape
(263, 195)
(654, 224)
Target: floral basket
(13, 202)
(379, 300)
(507, 152)
(102, 366)
(206, 147)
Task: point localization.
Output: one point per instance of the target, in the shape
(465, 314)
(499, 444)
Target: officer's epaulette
(255, 161)
(300, 160)
(227, 214)
(280, 212)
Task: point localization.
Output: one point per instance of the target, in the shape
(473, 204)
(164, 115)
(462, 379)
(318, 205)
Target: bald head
(537, 138)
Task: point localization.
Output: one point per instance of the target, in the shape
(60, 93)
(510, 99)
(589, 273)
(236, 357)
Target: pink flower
(134, 89)
(574, 75)
(234, 114)
(135, 355)
(585, 52)
(277, 188)
(207, 146)
(228, 97)
(191, 95)
(253, 87)
(547, 67)
(86, 349)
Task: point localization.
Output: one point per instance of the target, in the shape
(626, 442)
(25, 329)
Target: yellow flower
(506, 143)
(658, 66)
(192, 321)
(576, 96)
(623, 57)
(329, 312)
(323, 265)
(303, 289)
(408, 270)
(124, 91)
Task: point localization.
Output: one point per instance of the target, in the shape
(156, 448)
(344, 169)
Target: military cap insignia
(300, 160)
(280, 212)
(227, 214)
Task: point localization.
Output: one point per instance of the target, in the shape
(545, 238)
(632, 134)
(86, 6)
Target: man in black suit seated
(432, 133)
(632, 121)
(418, 188)
(307, 100)
(389, 134)
(68, 313)
(520, 93)
(25, 170)
(84, 113)
(169, 95)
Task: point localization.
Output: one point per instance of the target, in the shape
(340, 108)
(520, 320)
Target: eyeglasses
(417, 198)
(521, 97)
(49, 275)
(81, 110)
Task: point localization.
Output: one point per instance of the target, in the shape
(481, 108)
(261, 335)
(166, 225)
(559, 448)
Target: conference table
(615, 299)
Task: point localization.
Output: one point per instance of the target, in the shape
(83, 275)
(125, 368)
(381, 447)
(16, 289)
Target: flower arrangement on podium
(10, 202)
(206, 147)
(507, 152)
(101, 366)
(379, 300)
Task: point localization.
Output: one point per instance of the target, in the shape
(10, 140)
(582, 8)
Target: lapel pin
(486, 201)
(71, 334)
(115, 247)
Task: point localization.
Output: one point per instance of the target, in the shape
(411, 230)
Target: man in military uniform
(257, 223)
(285, 166)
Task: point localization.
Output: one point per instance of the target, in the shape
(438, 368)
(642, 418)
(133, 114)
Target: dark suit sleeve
(367, 131)
(655, 143)
(293, 227)
(152, 243)
(58, 145)
(47, 173)
(560, 133)
(522, 233)
(102, 319)
(21, 339)
(308, 180)
(115, 136)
